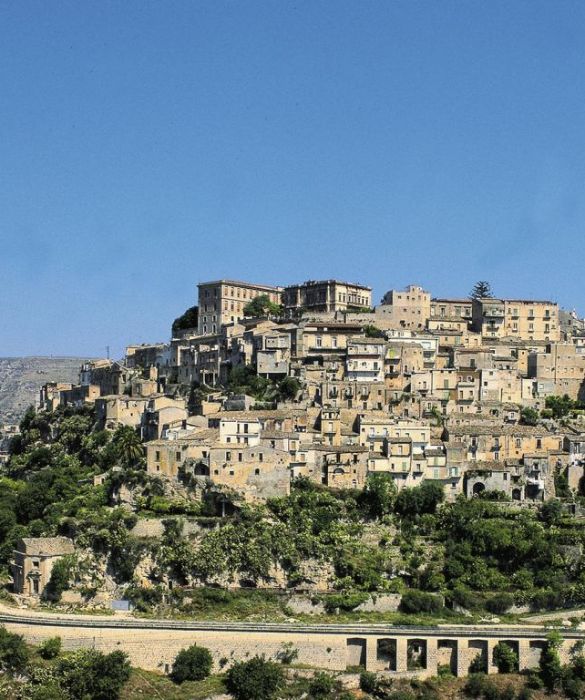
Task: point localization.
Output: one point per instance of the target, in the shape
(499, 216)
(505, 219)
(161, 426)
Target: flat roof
(240, 283)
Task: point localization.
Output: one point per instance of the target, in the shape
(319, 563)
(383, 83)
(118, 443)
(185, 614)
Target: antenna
(108, 351)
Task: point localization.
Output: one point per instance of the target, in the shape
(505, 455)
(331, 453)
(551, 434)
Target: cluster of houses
(416, 387)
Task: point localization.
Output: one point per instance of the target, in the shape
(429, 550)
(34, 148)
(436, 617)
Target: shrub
(192, 664)
(500, 603)
(368, 681)
(91, 675)
(417, 601)
(256, 678)
(551, 670)
(287, 653)
(475, 686)
(478, 665)
(345, 601)
(505, 658)
(321, 686)
(50, 648)
(13, 652)
(60, 577)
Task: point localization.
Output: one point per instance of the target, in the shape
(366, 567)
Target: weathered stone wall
(398, 652)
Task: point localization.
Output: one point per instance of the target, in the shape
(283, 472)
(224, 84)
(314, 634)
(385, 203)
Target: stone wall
(399, 652)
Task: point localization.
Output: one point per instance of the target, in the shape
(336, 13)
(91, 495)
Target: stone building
(223, 301)
(34, 558)
(407, 308)
(326, 296)
(516, 318)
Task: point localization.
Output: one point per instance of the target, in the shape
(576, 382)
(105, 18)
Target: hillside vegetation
(480, 555)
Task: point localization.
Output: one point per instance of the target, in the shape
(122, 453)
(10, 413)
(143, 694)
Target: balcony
(494, 312)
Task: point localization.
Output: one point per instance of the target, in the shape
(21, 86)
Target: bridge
(397, 650)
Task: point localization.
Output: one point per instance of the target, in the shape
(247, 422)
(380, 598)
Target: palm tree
(129, 446)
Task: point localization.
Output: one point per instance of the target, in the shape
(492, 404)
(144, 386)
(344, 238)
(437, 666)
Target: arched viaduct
(405, 651)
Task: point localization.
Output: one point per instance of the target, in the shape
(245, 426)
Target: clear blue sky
(146, 146)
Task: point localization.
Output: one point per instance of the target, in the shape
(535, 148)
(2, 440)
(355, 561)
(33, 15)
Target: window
(177, 456)
(257, 471)
(261, 456)
(228, 456)
(239, 456)
(157, 456)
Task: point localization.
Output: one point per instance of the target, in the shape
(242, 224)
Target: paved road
(28, 617)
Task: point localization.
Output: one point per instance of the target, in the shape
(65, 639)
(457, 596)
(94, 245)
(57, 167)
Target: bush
(256, 678)
(368, 681)
(551, 670)
(505, 658)
(417, 601)
(476, 685)
(500, 603)
(50, 648)
(91, 675)
(478, 665)
(192, 664)
(345, 601)
(13, 652)
(321, 686)
(60, 576)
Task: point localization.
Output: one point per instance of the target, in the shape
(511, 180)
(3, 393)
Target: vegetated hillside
(482, 555)
(21, 377)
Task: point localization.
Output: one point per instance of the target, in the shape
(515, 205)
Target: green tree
(13, 652)
(261, 306)
(60, 578)
(560, 406)
(50, 648)
(189, 319)
(379, 495)
(529, 416)
(412, 502)
(551, 512)
(192, 664)
(128, 445)
(288, 388)
(505, 658)
(257, 678)
(371, 331)
(481, 290)
(414, 601)
(321, 686)
(92, 675)
(551, 670)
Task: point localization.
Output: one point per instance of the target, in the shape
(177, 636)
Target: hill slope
(21, 378)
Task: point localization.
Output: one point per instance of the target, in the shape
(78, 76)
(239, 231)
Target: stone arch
(477, 653)
(201, 469)
(535, 649)
(514, 646)
(416, 654)
(386, 654)
(356, 652)
(447, 654)
(478, 487)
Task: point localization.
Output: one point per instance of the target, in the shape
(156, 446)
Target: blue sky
(147, 146)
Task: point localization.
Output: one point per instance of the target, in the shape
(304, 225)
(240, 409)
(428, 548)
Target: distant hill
(21, 378)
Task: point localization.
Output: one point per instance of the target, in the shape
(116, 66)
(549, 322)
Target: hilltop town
(299, 455)
(260, 385)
